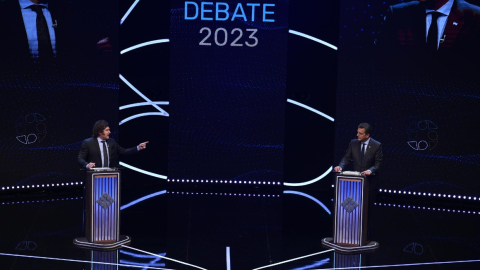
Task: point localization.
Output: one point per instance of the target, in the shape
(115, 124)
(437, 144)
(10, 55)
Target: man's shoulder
(406, 6)
(375, 142)
(406, 9)
(467, 8)
(89, 140)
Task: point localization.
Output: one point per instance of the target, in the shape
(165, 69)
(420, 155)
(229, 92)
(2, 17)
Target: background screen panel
(423, 106)
(49, 106)
(227, 97)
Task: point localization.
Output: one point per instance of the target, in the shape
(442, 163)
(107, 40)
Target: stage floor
(234, 230)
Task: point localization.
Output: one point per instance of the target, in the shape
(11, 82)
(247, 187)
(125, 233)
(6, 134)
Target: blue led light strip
(143, 199)
(228, 259)
(81, 261)
(313, 38)
(143, 104)
(142, 171)
(166, 258)
(158, 41)
(309, 197)
(310, 109)
(398, 265)
(291, 260)
(309, 182)
(129, 11)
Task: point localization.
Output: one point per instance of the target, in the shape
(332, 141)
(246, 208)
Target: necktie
(432, 37)
(105, 154)
(362, 151)
(43, 35)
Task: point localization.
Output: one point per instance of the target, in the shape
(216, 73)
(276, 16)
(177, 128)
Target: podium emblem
(349, 204)
(105, 201)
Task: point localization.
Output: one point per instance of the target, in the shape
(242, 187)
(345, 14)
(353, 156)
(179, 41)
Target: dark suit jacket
(90, 152)
(371, 161)
(404, 30)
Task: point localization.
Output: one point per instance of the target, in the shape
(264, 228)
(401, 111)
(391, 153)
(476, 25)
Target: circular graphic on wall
(422, 135)
(31, 128)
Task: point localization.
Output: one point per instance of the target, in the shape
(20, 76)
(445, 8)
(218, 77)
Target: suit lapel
(97, 147)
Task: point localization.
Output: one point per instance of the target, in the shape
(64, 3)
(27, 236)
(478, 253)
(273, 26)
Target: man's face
(361, 135)
(105, 135)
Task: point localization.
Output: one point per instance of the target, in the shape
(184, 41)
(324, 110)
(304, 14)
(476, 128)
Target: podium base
(83, 243)
(328, 242)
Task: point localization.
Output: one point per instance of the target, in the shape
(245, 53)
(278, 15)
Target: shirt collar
(99, 140)
(27, 3)
(445, 9)
(366, 142)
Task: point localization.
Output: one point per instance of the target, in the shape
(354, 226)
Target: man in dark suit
(367, 156)
(102, 151)
(448, 29)
(73, 30)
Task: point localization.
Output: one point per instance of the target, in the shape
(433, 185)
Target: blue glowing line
(143, 199)
(143, 104)
(141, 255)
(400, 265)
(166, 258)
(142, 264)
(158, 41)
(310, 181)
(309, 197)
(81, 261)
(142, 95)
(129, 11)
(310, 109)
(142, 171)
(321, 252)
(313, 38)
(316, 264)
(228, 258)
(140, 115)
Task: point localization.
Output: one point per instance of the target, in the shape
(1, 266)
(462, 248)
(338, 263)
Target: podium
(102, 211)
(350, 215)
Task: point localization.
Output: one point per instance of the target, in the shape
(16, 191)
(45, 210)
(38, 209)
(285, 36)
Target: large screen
(423, 104)
(227, 90)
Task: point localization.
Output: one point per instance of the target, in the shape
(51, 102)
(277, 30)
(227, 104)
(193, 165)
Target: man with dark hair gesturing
(102, 151)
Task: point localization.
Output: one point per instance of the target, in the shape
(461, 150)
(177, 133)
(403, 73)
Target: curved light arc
(309, 182)
(310, 109)
(309, 197)
(313, 38)
(158, 41)
(139, 104)
(140, 115)
(143, 199)
(142, 95)
(142, 171)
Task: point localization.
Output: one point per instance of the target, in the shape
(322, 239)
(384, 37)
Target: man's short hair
(99, 127)
(367, 127)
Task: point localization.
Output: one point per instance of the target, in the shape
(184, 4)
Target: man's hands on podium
(339, 169)
(143, 145)
(90, 165)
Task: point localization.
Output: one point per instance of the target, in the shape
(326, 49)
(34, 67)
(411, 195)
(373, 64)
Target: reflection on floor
(233, 230)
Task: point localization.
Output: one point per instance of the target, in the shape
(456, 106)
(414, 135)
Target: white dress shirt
(441, 21)
(30, 21)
